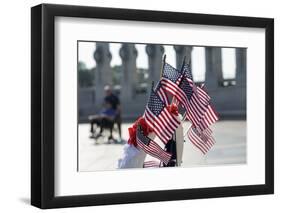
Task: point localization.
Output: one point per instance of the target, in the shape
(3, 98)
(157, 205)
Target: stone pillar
(103, 73)
(155, 54)
(241, 80)
(128, 54)
(181, 52)
(241, 66)
(213, 75)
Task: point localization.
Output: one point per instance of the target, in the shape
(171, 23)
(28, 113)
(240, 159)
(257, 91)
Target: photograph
(139, 105)
(144, 105)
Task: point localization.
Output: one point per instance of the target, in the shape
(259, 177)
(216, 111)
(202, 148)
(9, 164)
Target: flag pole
(173, 99)
(184, 115)
(161, 73)
(174, 135)
(152, 90)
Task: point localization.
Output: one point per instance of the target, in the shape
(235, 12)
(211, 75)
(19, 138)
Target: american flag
(186, 73)
(195, 108)
(198, 110)
(200, 90)
(152, 164)
(209, 118)
(201, 139)
(179, 84)
(159, 118)
(170, 78)
(151, 147)
(162, 93)
(186, 70)
(203, 95)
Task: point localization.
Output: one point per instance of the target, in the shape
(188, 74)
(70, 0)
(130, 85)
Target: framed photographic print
(139, 106)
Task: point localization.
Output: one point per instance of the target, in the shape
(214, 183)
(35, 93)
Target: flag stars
(171, 73)
(187, 89)
(155, 104)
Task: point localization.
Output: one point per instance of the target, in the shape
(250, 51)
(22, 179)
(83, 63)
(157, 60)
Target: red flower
(173, 109)
(133, 130)
(132, 133)
(146, 129)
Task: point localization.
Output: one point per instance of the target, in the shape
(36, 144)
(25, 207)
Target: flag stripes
(203, 142)
(198, 109)
(151, 164)
(151, 147)
(204, 97)
(189, 100)
(159, 118)
(162, 93)
(181, 98)
(163, 125)
(209, 118)
(171, 74)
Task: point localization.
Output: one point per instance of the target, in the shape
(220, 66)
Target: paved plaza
(230, 148)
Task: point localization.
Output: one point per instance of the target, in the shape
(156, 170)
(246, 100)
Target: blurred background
(130, 69)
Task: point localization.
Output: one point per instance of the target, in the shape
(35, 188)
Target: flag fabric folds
(200, 133)
(203, 95)
(198, 110)
(170, 79)
(151, 147)
(209, 118)
(179, 83)
(190, 100)
(196, 102)
(171, 74)
(162, 93)
(186, 71)
(151, 164)
(202, 140)
(159, 118)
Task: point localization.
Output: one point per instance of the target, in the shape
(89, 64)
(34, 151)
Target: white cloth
(132, 156)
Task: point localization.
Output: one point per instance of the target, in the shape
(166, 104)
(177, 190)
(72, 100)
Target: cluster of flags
(178, 88)
(159, 118)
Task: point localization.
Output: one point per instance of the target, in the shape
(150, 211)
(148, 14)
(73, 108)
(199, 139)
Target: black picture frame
(43, 102)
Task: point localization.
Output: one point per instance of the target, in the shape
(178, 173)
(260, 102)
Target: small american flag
(186, 70)
(151, 147)
(198, 110)
(152, 164)
(171, 74)
(162, 93)
(209, 118)
(190, 100)
(201, 139)
(170, 78)
(159, 118)
(179, 84)
(203, 95)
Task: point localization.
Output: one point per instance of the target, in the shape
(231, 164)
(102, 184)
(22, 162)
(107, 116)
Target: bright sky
(87, 49)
